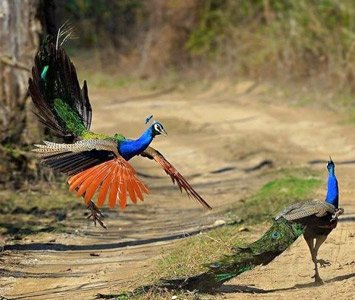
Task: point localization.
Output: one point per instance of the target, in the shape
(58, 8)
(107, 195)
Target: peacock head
(330, 166)
(158, 128)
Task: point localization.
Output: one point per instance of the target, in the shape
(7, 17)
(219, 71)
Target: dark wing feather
(58, 82)
(176, 177)
(86, 111)
(74, 162)
(78, 156)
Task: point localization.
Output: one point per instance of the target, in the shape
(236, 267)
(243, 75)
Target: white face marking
(158, 128)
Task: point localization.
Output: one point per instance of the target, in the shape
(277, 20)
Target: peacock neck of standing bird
(332, 186)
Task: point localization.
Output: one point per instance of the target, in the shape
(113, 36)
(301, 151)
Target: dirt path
(214, 136)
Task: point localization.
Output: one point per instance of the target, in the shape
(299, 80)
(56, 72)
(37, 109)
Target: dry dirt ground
(214, 136)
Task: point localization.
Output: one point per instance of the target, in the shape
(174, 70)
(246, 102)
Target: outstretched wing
(60, 103)
(94, 167)
(176, 177)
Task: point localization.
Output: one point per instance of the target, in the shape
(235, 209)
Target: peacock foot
(96, 214)
(323, 263)
(317, 279)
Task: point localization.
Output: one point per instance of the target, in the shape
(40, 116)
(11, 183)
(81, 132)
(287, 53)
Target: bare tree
(19, 36)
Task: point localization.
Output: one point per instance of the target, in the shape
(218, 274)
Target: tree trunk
(19, 36)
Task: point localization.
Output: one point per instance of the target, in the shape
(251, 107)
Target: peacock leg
(96, 214)
(310, 243)
(319, 241)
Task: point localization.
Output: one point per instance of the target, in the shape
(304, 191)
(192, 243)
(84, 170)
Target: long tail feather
(275, 241)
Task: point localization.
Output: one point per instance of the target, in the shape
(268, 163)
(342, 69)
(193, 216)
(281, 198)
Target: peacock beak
(163, 132)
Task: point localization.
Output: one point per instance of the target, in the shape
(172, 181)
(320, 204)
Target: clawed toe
(323, 263)
(96, 215)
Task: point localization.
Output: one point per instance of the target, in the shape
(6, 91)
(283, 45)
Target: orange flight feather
(78, 179)
(113, 178)
(104, 189)
(114, 188)
(85, 184)
(131, 192)
(142, 187)
(123, 194)
(137, 190)
(76, 176)
(101, 174)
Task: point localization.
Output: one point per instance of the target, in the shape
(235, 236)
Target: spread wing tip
(175, 176)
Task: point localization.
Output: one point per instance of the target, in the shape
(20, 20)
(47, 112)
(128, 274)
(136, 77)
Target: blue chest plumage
(332, 191)
(130, 148)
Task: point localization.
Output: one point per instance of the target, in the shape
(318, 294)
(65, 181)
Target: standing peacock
(96, 163)
(314, 219)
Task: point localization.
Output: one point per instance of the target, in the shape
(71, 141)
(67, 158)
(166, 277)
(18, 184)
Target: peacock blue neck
(129, 148)
(332, 189)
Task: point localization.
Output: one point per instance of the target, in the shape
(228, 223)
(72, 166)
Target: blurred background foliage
(286, 39)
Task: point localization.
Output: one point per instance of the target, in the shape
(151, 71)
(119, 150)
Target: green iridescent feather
(70, 117)
(61, 104)
(74, 123)
(275, 241)
(44, 72)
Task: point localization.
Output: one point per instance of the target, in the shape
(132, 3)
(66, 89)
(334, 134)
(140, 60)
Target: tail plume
(261, 252)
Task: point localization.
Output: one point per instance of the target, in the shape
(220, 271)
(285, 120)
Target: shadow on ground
(253, 290)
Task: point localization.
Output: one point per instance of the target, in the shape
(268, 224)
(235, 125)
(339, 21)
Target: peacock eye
(275, 235)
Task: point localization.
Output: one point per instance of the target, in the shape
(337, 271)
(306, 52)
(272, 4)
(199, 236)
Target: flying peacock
(314, 219)
(95, 163)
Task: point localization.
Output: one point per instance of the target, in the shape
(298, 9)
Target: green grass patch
(278, 194)
(190, 256)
